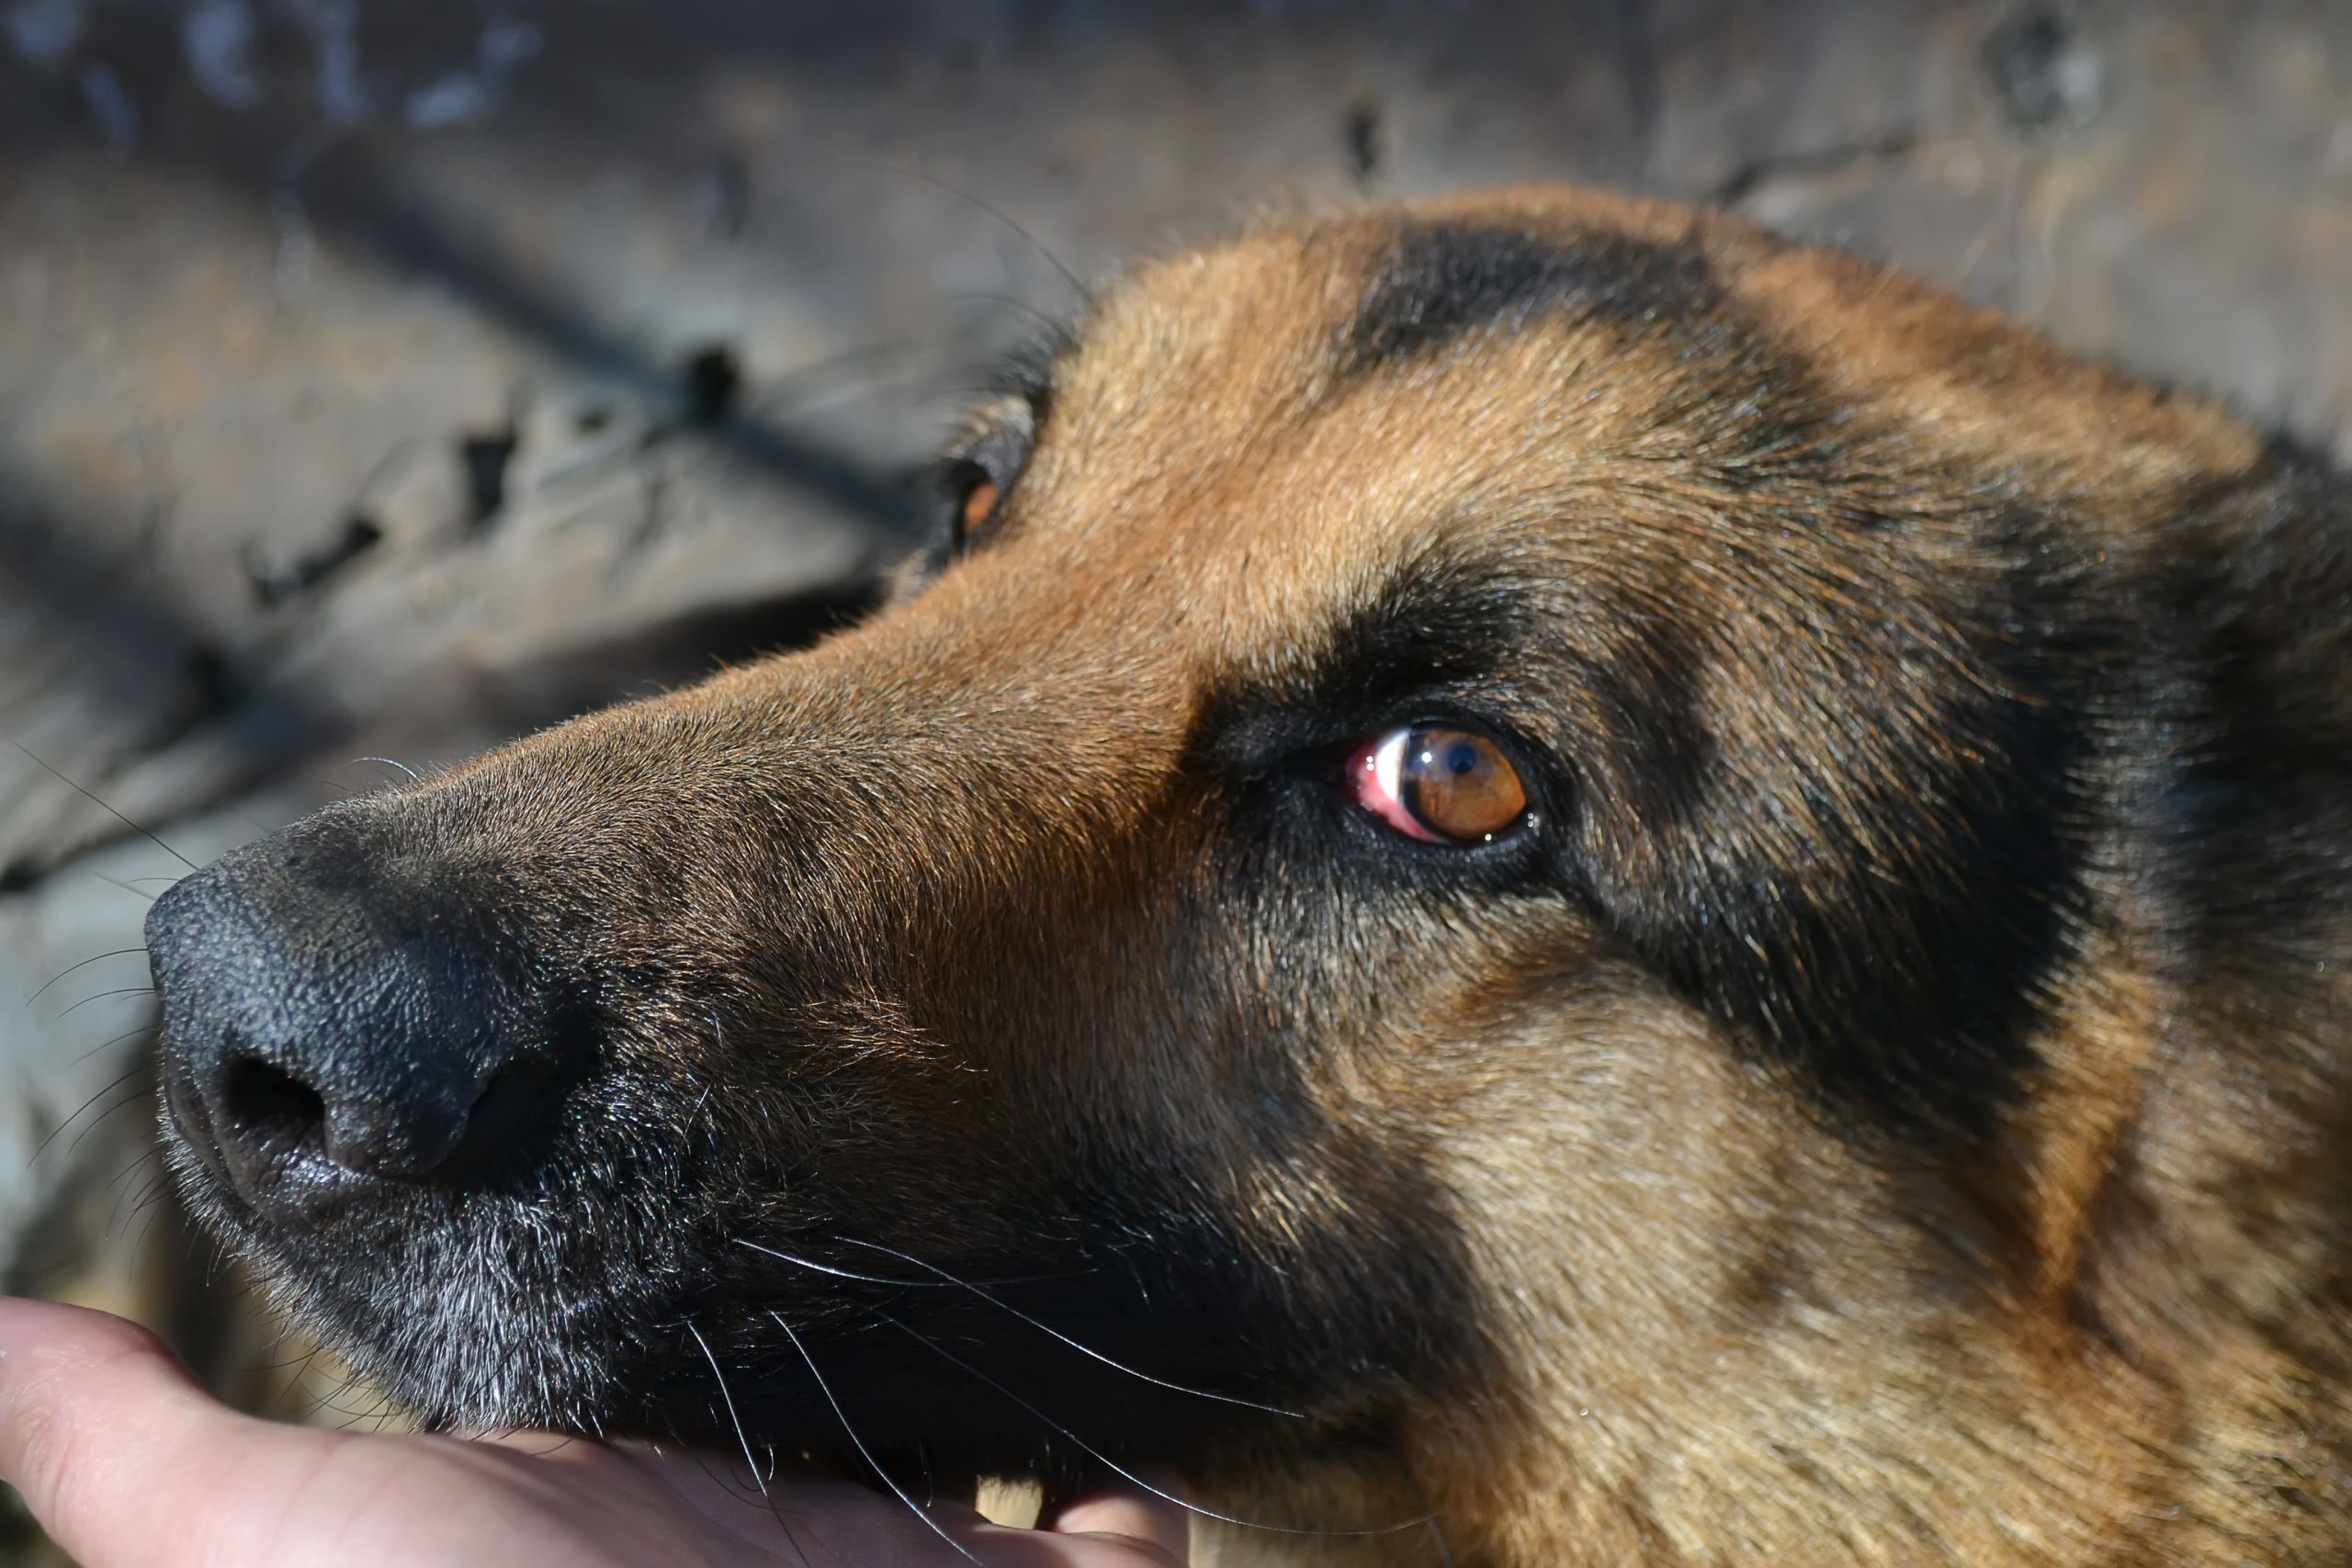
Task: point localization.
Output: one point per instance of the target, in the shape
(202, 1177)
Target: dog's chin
(470, 1356)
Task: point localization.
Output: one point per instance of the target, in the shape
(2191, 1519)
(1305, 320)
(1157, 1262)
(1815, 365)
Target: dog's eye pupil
(1438, 784)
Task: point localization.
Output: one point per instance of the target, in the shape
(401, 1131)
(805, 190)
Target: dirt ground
(382, 378)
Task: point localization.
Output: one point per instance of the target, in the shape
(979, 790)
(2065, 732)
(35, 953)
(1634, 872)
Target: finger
(89, 1404)
(1129, 1514)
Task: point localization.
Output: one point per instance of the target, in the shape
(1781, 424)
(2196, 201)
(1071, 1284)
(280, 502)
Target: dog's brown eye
(979, 505)
(1438, 784)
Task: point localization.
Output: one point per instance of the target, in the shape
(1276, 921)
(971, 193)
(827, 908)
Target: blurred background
(380, 378)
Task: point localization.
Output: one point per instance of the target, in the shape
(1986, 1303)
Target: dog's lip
(330, 1198)
(331, 1193)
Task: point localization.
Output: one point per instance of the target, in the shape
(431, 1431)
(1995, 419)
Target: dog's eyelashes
(1440, 783)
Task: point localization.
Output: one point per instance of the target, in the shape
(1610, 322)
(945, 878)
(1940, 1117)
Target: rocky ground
(381, 377)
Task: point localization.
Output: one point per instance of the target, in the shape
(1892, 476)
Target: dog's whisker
(413, 776)
(84, 964)
(859, 1444)
(1078, 285)
(124, 884)
(1083, 1350)
(102, 996)
(727, 1483)
(1038, 314)
(1121, 1470)
(122, 1178)
(57, 1130)
(331, 1398)
(351, 1418)
(750, 1459)
(94, 799)
(138, 1093)
(112, 1041)
(299, 1363)
(838, 1273)
(139, 1242)
(119, 1218)
(811, 386)
(298, 1371)
(1429, 1517)
(733, 1418)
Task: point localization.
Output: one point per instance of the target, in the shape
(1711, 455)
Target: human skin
(127, 1462)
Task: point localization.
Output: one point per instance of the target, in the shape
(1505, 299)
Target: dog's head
(1476, 856)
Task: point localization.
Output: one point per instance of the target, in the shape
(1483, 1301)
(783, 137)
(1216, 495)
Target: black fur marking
(1646, 694)
(2259, 730)
(1444, 282)
(1882, 910)
(1445, 624)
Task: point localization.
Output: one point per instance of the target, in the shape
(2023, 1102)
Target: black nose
(338, 1016)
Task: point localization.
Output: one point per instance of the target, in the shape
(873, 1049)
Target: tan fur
(1717, 1319)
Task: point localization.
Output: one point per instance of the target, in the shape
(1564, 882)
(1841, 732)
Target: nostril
(269, 1106)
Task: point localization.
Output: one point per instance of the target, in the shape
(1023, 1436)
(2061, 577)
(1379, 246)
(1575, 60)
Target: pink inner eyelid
(1376, 778)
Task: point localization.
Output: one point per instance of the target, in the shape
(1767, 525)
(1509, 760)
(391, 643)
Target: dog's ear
(1850, 834)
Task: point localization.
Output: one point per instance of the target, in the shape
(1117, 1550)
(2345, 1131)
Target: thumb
(1133, 1516)
(93, 1410)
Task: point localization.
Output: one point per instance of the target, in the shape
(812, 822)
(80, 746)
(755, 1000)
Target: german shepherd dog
(1529, 880)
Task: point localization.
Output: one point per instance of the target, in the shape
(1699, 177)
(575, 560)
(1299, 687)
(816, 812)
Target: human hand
(128, 1463)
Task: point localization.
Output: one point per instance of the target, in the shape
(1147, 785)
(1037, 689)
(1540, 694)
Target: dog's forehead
(1278, 426)
(1298, 414)
(1349, 320)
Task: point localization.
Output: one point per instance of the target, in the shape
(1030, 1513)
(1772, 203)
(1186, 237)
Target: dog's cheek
(1350, 1029)
(1645, 1220)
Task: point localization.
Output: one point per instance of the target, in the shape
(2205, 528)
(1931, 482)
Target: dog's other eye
(978, 505)
(983, 468)
(1438, 784)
